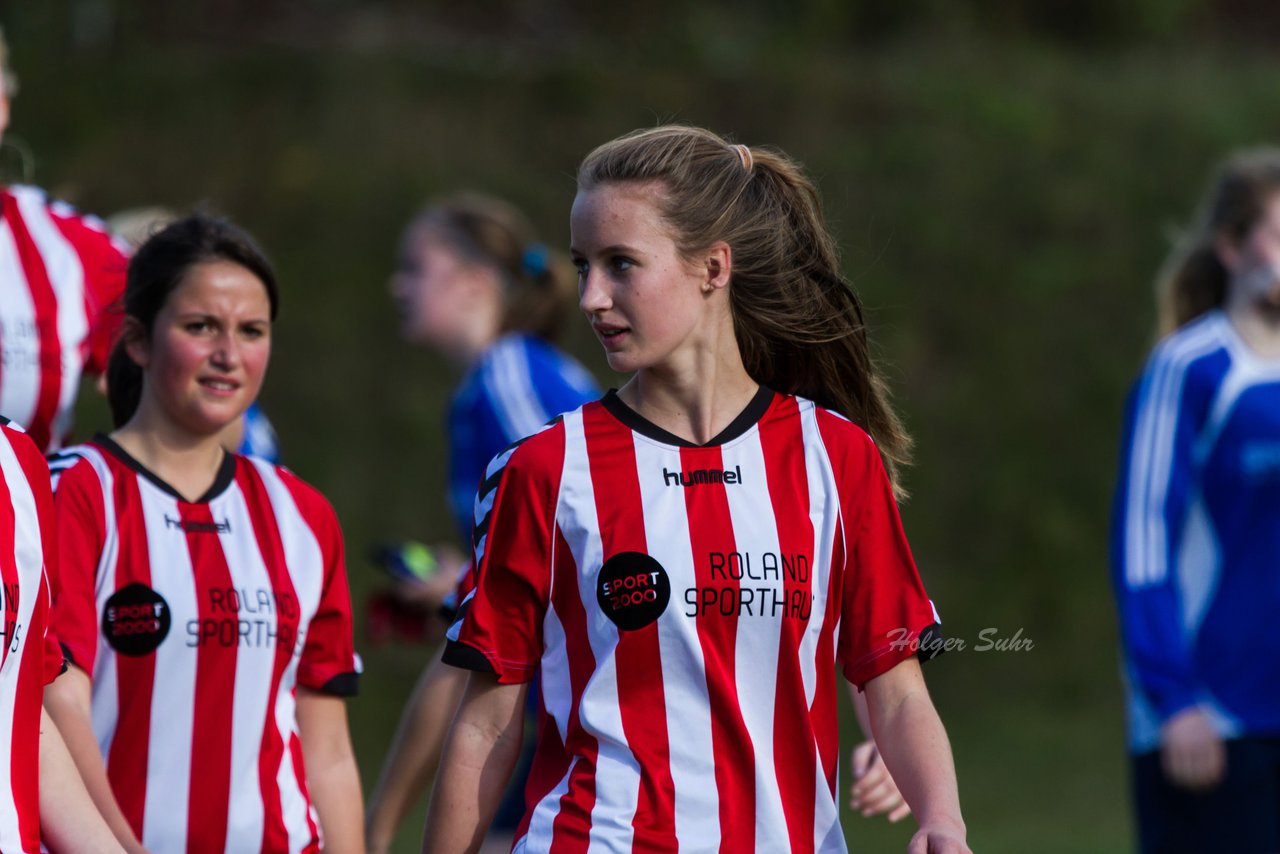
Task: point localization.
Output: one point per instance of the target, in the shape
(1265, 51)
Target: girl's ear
(718, 263)
(134, 338)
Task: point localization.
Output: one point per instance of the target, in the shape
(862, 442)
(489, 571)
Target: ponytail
(124, 385)
(798, 322)
(1193, 280)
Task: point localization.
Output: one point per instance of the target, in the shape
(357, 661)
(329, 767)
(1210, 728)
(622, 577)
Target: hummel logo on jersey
(689, 478)
(223, 527)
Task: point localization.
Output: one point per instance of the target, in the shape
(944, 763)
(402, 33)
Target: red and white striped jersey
(60, 273)
(687, 606)
(196, 621)
(30, 657)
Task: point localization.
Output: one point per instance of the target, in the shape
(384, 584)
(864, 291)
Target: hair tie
(745, 153)
(534, 260)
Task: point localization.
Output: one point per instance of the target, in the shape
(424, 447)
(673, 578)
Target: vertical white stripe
(759, 632)
(824, 515)
(173, 694)
(255, 662)
(511, 389)
(19, 336)
(66, 275)
(105, 705)
(1152, 450)
(693, 772)
(28, 554)
(617, 775)
(306, 570)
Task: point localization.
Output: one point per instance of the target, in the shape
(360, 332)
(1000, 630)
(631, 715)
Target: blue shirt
(520, 383)
(259, 436)
(1195, 545)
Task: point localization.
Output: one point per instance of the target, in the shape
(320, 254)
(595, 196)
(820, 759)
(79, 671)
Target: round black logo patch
(633, 590)
(135, 620)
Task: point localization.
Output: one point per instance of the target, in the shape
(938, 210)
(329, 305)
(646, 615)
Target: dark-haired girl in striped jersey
(203, 604)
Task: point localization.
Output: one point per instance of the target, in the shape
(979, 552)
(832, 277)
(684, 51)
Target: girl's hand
(938, 841)
(874, 792)
(1191, 751)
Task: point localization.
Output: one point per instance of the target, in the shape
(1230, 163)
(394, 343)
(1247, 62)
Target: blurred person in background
(681, 708)
(1196, 532)
(60, 276)
(203, 601)
(475, 284)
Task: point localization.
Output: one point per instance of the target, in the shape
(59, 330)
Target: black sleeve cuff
(931, 643)
(342, 685)
(458, 654)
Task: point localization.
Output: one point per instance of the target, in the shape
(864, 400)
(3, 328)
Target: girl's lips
(611, 336)
(218, 385)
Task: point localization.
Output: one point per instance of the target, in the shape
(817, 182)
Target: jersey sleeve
(884, 609)
(79, 514)
(499, 625)
(105, 262)
(1163, 416)
(329, 662)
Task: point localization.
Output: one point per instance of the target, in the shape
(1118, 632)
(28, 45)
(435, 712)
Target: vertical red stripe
(299, 773)
(795, 759)
(135, 675)
(572, 825)
(45, 301)
(641, 697)
(210, 793)
(275, 836)
(711, 530)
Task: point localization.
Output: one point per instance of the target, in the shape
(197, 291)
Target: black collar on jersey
(226, 471)
(746, 419)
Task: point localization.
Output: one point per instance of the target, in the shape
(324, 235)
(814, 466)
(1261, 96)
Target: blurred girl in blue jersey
(1196, 537)
(475, 284)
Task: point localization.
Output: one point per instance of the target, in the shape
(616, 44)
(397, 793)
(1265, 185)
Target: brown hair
(798, 323)
(1193, 280)
(537, 282)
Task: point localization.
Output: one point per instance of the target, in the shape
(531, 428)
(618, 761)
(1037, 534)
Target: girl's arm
(68, 819)
(68, 700)
(333, 779)
(414, 753)
(873, 791)
(915, 747)
(479, 755)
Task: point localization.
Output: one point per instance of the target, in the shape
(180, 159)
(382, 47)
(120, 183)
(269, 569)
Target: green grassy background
(1003, 184)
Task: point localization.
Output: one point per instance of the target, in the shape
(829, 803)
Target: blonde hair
(537, 283)
(1192, 279)
(798, 322)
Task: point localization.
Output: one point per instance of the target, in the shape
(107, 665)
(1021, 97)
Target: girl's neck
(1258, 325)
(696, 406)
(189, 463)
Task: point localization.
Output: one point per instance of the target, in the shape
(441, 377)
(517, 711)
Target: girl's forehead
(611, 208)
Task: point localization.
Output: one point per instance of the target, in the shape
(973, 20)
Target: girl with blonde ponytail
(1195, 541)
(690, 558)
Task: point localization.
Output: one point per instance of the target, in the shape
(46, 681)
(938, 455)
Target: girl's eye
(580, 265)
(622, 265)
(252, 332)
(198, 326)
